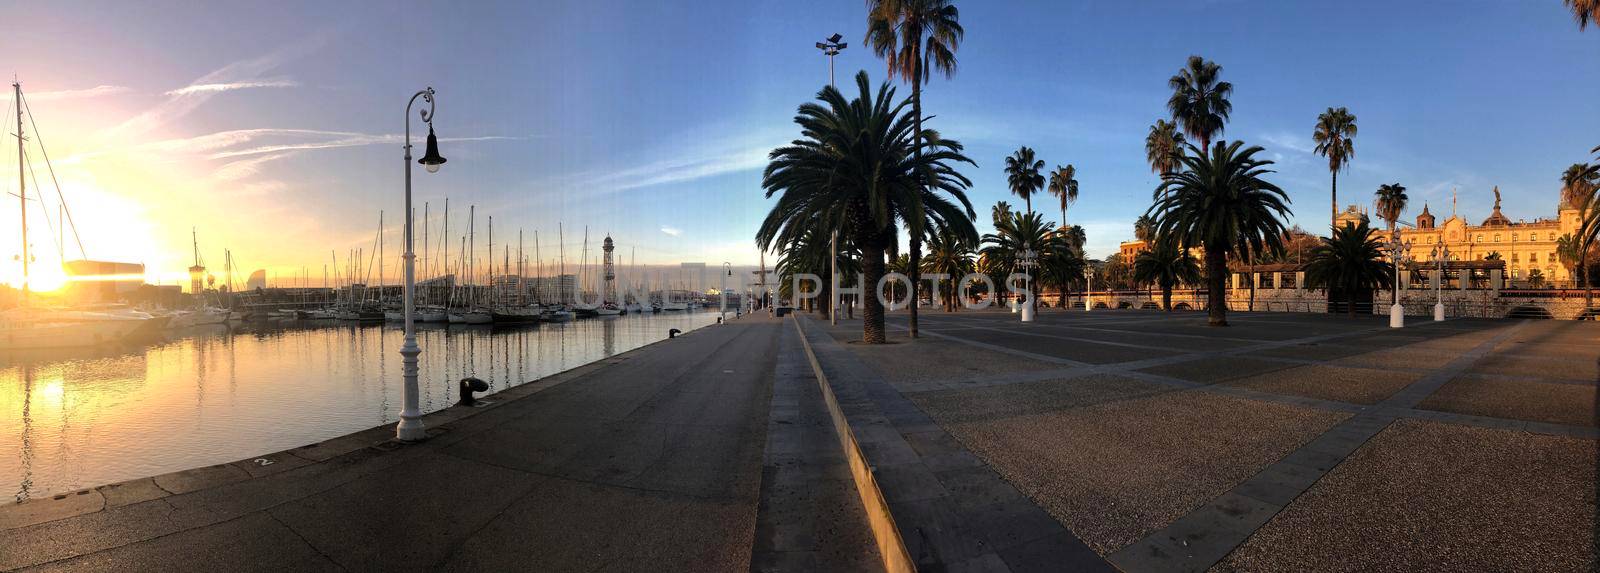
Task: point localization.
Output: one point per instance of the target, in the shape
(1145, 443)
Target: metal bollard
(674, 333)
(467, 387)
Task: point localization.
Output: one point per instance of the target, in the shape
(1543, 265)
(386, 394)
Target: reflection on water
(87, 417)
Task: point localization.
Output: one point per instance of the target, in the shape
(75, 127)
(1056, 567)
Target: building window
(1480, 238)
(1513, 237)
(1430, 240)
(1515, 273)
(1552, 236)
(1497, 237)
(1533, 257)
(1513, 257)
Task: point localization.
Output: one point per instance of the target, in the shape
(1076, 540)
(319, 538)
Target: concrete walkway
(648, 461)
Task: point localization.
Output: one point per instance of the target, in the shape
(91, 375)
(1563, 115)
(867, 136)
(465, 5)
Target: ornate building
(1524, 246)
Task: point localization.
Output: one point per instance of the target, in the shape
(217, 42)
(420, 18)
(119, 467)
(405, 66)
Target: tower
(1425, 220)
(610, 270)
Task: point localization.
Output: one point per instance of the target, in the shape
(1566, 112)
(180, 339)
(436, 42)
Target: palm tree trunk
(1333, 217)
(1166, 297)
(872, 331)
(1217, 298)
(915, 230)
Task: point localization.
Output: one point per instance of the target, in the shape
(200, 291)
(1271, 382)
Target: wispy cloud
(248, 149)
(238, 75)
(1288, 141)
(97, 91)
(199, 88)
(671, 231)
(722, 155)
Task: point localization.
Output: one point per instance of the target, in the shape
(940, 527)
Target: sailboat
(29, 327)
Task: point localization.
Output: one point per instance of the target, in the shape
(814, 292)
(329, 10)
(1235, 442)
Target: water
(71, 420)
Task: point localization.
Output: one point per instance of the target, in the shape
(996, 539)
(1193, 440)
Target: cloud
(97, 91)
(248, 149)
(671, 231)
(230, 86)
(238, 75)
(1288, 141)
(724, 154)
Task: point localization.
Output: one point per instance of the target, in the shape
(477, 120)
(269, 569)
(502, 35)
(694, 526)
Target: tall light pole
(1030, 259)
(722, 291)
(1397, 253)
(410, 428)
(1088, 287)
(831, 47)
(1441, 253)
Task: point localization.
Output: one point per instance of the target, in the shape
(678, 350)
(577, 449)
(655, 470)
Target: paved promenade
(1286, 442)
(649, 461)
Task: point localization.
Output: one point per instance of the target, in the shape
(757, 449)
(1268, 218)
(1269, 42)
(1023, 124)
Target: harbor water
(86, 417)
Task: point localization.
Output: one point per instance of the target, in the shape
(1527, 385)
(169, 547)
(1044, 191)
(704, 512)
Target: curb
(896, 559)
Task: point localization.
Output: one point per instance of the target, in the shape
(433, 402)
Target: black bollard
(468, 386)
(674, 333)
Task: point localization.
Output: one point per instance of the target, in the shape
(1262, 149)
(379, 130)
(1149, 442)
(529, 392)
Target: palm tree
(1199, 101)
(1584, 11)
(999, 212)
(1220, 202)
(860, 166)
(1063, 267)
(1351, 260)
(1022, 175)
(915, 38)
(1017, 234)
(1166, 265)
(1064, 187)
(1335, 129)
(1163, 142)
(1390, 203)
(1073, 237)
(1144, 228)
(949, 254)
(1579, 184)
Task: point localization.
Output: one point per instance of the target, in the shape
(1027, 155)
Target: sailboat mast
(522, 273)
(22, 188)
(490, 258)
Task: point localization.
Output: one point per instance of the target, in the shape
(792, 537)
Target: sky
(273, 130)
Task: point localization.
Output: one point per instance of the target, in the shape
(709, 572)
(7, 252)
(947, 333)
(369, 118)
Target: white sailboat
(29, 327)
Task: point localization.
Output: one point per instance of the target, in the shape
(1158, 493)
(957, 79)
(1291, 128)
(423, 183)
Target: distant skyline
(274, 129)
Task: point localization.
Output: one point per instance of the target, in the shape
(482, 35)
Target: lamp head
(431, 158)
(835, 38)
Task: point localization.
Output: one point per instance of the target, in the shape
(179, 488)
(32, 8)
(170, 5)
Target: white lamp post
(1441, 253)
(1088, 287)
(1397, 253)
(410, 427)
(722, 291)
(1030, 259)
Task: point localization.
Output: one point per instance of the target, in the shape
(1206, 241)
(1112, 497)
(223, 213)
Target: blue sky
(273, 126)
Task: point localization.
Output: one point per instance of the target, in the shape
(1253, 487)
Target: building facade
(1524, 246)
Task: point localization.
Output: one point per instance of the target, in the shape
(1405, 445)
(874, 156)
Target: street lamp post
(1030, 259)
(1441, 253)
(722, 292)
(410, 427)
(1397, 253)
(1088, 287)
(831, 47)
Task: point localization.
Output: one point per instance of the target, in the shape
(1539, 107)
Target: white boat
(199, 317)
(674, 306)
(557, 314)
(608, 309)
(432, 314)
(28, 328)
(633, 307)
(471, 316)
